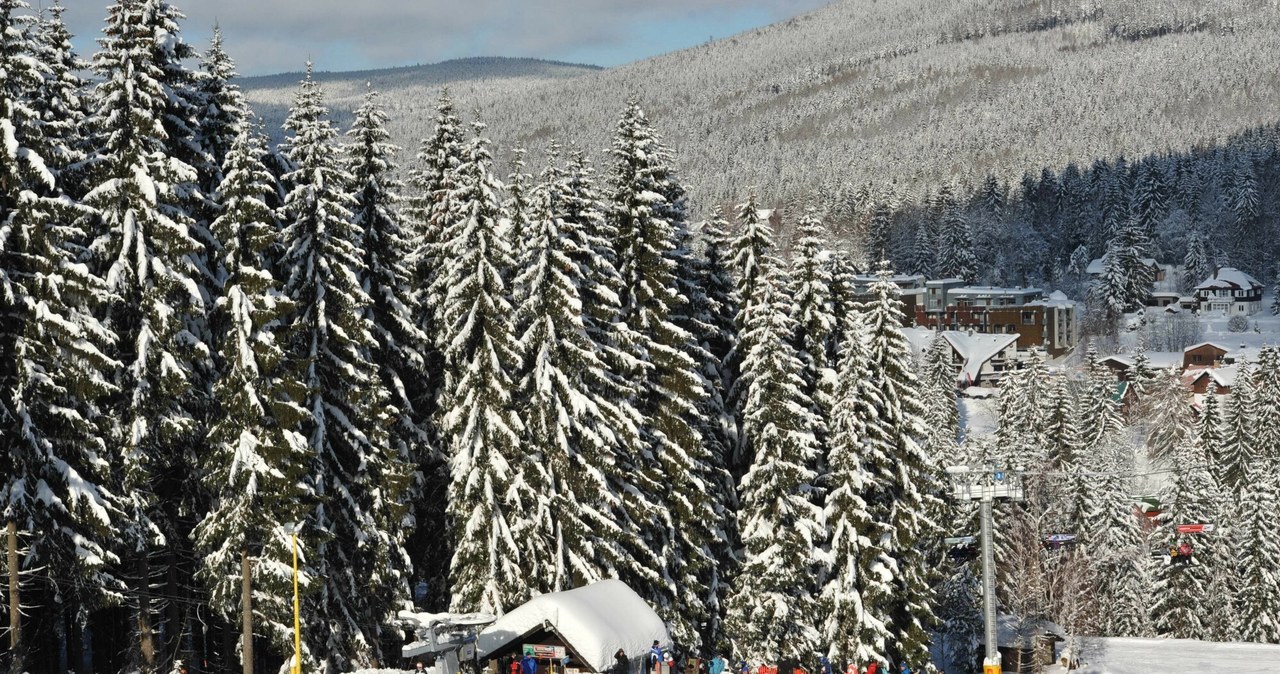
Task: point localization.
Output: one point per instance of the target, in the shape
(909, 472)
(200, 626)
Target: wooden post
(146, 631)
(246, 600)
(297, 611)
(15, 606)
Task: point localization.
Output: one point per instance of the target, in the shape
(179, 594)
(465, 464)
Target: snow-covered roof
(992, 291)
(1230, 278)
(1224, 376)
(595, 621)
(977, 349)
(1157, 360)
(1056, 299)
(1213, 344)
(1096, 267)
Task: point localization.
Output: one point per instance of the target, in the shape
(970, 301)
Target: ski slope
(1173, 656)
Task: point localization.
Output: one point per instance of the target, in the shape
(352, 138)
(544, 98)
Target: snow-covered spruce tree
(938, 395)
(771, 609)
(401, 343)
(1150, 201)
(844, 300)
(1169, 416)
(428, 212)
(647, 209)
(1182, 590)
(1023, 404)
(1266, 391)
(955, 245)
(721, 314)
(354, 472)
(1112, 535)
(572, 423)
(1234, 460)
(751, 249)
(923, 257)
(425, 212)
(1257, 552)
(1275, 293)
(517, 207)
(1062, 426)
(55, 374)
(59, 103)
(222, 113)
(144, 248)
(960, 618)
(993, 196)
(493, 479)
(257, 460)
(879, 230)
(855, 541)
(1223, 623)
(1197, 264)
(904, 490)
(712, 310)
(1097, 403)
(704, 569)
(815, 323)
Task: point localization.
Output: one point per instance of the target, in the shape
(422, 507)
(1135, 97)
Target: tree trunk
(15, 605)
(246, 599)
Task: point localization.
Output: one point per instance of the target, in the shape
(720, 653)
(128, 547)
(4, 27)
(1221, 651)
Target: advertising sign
(544, 652)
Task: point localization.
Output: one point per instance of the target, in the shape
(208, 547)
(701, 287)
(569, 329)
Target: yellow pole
(297, 612)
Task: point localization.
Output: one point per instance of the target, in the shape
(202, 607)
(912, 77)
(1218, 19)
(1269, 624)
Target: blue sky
(269, 36)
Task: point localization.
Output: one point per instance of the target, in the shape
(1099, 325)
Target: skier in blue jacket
(528, 665)
(903, 668)
(717, 666)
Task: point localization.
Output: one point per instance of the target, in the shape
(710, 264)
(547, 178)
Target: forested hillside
(909, 91)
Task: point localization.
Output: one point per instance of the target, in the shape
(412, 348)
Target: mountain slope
(912, 91)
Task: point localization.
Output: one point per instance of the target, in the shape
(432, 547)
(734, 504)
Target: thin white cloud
(279, 35)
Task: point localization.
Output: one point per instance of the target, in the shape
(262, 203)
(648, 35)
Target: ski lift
(962, 549)
(1183, 553)
(1054, 542)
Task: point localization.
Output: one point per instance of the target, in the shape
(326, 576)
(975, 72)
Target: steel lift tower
(986, 485)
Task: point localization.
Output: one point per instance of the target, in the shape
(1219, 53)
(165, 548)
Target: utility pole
(987, 484)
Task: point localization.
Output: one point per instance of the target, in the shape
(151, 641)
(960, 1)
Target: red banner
(1194, 528)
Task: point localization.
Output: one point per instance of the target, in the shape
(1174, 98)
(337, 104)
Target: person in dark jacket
(621, 664)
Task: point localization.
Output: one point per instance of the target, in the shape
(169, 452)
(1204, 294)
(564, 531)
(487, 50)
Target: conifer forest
(461, 375)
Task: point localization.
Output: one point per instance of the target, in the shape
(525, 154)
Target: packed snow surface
(595, 621)
(1167, 656)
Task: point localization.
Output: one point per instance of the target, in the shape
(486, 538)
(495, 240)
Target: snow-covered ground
(1173, 656)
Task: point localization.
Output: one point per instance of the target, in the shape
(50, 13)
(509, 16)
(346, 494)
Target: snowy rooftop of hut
(595, 621)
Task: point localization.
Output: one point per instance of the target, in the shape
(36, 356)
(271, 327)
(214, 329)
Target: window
(1028, 318)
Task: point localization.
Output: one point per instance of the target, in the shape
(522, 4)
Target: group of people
(657, 657)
